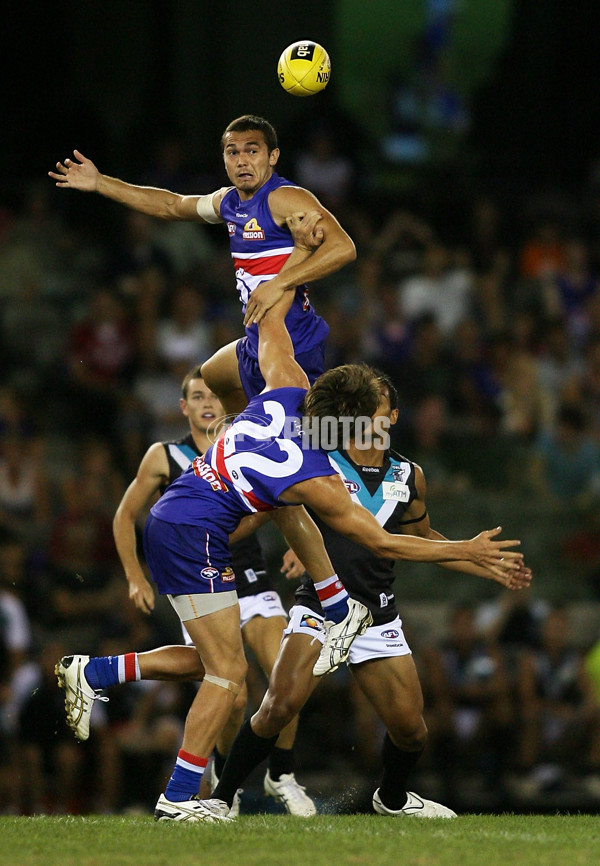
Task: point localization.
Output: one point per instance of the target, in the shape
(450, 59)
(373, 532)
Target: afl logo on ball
(210, 573)
(390, 634)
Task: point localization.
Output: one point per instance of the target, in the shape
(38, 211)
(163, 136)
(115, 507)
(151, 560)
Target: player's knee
(278, 710)
(239, 704)
(208, 371)
(214, 377)
(410, 735)
(233, 669)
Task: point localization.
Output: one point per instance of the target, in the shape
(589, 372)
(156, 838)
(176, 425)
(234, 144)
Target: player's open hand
(305, 229)
(494, 555)
(292, 568)
(141, 593)
(516, 578)
(82, 174)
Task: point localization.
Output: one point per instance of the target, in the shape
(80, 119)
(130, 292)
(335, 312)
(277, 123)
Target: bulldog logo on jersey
(231, 228)
(252, 231)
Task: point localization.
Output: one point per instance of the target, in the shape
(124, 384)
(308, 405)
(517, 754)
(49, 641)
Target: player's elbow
(374, 544)
(123, 517)
(349, 250)
(171, 208)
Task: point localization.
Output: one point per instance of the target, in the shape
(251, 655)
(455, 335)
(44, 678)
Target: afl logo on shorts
(268, 597)
(390, 634)
(351, 486)
(210, 573)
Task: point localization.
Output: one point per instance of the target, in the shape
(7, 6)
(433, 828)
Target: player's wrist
(101, 185)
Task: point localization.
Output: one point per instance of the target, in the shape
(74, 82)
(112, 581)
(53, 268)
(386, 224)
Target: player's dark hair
(386, 382)
(194, 373)
(248, 123)
(350, 391)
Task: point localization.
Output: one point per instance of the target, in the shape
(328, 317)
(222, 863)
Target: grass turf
(266, 840)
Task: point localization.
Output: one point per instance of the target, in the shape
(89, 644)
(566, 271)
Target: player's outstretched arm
(276, 358)
(416, 522)
(329, 499)
(81, 173)
(152, 473)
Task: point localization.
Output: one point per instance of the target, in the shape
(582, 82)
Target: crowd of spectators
(490, 328)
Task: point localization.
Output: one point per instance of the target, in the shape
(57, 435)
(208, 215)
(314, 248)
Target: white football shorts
(378, 642)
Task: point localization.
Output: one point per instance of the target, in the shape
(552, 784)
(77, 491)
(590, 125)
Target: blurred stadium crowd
(489, 325)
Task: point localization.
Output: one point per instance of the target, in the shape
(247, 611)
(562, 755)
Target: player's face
(202, 408)
(248, 162)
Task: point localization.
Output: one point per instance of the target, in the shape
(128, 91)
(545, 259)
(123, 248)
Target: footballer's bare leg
(175, 663)
(393, 688)
(263, 636)
(290, 686)
(218, 640)
(221, 374)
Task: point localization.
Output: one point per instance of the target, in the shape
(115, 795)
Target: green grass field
(266, 840)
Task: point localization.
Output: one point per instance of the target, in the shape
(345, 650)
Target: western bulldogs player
(261, 212)
(393, 489)
(262, 615)
(261, 462)
(257, 210)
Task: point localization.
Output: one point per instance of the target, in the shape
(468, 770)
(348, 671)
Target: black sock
(397, 765)
(281, 761)
(246, 753)
(219, 762)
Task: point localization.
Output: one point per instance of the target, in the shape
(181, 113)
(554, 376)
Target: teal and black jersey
(386, 492)
(248, 562)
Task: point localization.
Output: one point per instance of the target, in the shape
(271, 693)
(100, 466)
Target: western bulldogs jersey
(386, 492)
(260, 248)
(248, 563)
(253, 461)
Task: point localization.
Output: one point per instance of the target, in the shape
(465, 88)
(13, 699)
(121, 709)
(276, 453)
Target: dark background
(109, 77)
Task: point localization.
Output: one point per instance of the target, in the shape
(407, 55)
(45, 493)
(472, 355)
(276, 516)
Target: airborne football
(304, 68)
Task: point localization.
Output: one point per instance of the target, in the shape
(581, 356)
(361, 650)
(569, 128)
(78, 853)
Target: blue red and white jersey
(247, 469)
(259, 249)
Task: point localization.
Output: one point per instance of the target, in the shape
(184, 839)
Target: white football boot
(213, 781)
(208, 811)
(415, 806)
(79, 695)
(286, 790)
(339, 637)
